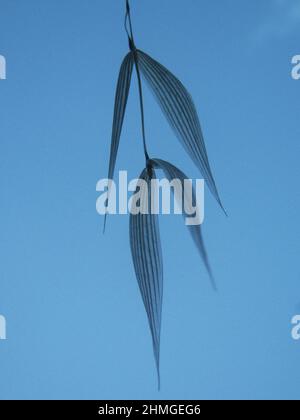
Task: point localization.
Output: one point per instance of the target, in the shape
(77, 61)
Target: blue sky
(76, 326)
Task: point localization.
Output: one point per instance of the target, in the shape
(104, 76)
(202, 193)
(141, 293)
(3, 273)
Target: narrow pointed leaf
(121, 99)
(147, 259)
(179, 109)
(171, 173)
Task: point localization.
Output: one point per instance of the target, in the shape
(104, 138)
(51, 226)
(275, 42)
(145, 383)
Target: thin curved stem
(128, 19)
(141, 104)
(134, 50)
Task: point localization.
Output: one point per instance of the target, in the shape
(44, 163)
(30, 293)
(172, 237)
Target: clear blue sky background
(76, 325)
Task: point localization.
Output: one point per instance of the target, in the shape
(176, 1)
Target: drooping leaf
(171, 173)
(147, 259)
(121, 99)
(180, 111)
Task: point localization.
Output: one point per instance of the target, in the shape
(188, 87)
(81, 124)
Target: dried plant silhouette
(180, 111)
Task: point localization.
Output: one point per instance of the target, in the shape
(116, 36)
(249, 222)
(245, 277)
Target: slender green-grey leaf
(121, 98)
(180, 111)
(147, 259)
(172, 173)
